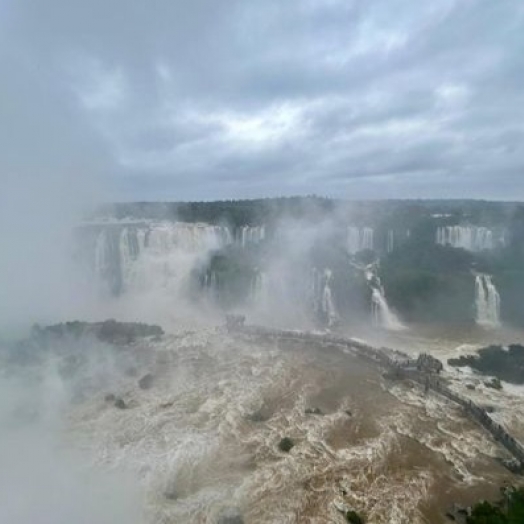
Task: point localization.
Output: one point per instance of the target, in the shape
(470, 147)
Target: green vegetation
(505, 364)
(108, 331)
(508, 510)
(354, 518)
(286, 445)
(428, 282)
(424, 282)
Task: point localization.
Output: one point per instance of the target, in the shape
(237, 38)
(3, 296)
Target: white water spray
(487, 301)
(382, 315)
(328, 306)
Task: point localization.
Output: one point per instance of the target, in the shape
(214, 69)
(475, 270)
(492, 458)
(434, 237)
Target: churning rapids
(202, 433)
(195, 417)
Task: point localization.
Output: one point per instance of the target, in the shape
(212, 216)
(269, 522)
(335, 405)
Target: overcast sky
(208, 99)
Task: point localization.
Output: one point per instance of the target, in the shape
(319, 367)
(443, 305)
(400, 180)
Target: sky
(204, 100)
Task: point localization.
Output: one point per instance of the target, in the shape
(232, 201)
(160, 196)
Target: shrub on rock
(286, 445)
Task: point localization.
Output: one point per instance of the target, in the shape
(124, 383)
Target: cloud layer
(204, 100)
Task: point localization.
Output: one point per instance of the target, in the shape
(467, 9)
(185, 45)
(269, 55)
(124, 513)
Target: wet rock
(171, 493)
(513, 465)
(286, 445)
(493, 384)
(457, 513)
(506, 363)
(230, 516)
(258, 416)
(353, 517)
(313, 411)
(108, 331)
(146, 382)
(110, 397)
(488, 408)
(470, 387)
(348, 412)
(119, 403)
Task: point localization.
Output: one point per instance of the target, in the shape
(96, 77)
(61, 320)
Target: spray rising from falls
(131, 257)
(322, 295)
(487, 301)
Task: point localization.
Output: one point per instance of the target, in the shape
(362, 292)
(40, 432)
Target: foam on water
(191, 435)
(205, 436)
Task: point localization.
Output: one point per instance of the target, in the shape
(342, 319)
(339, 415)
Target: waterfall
(390, 241)
(328, 306)
(471, 238)
(359, 239)
(259, 290)
(487, 301)
(382, 315)
(101, 254)
(247, 235)
(143, 256)
(322, 296)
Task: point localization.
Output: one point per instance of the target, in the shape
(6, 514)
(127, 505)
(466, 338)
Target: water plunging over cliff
(471, 238)
(246, 235)
(145, 256)
(382, 315)
(487, 301)
(259, 290)
(322, 296)
(359, 239)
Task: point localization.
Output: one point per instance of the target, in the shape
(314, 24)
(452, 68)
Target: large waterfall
(487, 301)
(359, 239)
(471, 238)
(382, 315)
(145, 256)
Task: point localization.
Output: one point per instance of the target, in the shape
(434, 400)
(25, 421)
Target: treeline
(234, 213)
(398, 213)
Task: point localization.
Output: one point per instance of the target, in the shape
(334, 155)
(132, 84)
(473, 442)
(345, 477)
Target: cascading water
(259, 290)
(359, 239)
(471, 238)
(487, 301)
(328, 306)
(322, 296)
(250, 235)
(144, 256)
(390, 241)
(382, 316)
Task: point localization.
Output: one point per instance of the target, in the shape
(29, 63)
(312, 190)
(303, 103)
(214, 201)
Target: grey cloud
(261, 98)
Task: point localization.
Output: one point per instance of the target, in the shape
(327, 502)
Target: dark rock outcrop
(286, 445)
(313, 411)
(504, 363)
(119, 403)
(146, 382)
(109, 331)
(354, 518)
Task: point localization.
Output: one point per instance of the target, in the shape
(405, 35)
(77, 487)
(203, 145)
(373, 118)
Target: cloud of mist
(288, 272)
(43, 478)
(38, 279)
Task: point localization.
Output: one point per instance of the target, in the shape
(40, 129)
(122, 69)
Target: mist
(38, 277)
(43, 478)
(154, 162)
